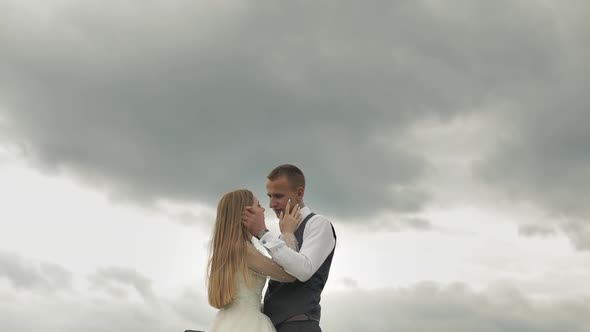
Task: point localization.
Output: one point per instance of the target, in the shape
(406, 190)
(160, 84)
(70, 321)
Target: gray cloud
(85, 312)
(34, 276)
(432, 307)
(185, 102)
(422, 307)
(32, 304)
(543, 155)
(116, 281)
(349, 282)
(536, 230)
(397, 223)
(192, 306)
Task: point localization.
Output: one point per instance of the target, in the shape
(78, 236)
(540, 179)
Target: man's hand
(253, 221)
(289, 221)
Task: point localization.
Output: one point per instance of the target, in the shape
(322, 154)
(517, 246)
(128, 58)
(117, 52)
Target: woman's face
(257, 209)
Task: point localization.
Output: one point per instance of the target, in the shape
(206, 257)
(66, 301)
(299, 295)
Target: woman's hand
(289, 219)
(253, 219)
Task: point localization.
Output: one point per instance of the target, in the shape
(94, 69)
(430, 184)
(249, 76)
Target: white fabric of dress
(244, 313)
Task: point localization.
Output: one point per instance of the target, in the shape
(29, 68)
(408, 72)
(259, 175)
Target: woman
(237, 271)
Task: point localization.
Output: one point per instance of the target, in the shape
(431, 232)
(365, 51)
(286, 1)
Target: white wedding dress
(244, 313)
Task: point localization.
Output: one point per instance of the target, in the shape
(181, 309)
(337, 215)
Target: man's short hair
(293, 174)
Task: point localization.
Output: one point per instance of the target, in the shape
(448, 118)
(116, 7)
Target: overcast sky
(446, 141)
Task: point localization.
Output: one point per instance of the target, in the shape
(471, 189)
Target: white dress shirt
(318, 242)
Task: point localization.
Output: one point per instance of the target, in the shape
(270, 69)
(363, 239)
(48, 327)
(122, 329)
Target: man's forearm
(293, 262)
(317, 244)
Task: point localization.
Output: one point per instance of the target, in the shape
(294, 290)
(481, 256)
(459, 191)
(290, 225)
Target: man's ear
(300, 192)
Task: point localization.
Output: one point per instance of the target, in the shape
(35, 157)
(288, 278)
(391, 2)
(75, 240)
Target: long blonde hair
(228, 247)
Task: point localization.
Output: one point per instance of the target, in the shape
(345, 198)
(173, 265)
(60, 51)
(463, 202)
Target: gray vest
(285, 300)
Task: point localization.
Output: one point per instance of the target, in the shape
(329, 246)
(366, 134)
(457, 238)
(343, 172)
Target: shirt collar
(305, 211)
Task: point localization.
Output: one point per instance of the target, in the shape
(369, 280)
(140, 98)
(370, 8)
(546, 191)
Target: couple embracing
(298, 269)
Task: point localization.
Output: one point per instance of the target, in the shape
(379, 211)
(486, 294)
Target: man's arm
(318, 242)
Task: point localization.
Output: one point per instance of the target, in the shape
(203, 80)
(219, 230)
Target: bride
(237, 271)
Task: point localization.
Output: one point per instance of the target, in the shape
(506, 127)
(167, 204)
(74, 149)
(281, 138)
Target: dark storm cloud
(186, 101)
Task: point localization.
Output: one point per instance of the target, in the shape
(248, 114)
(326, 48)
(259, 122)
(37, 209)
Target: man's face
(279, 191)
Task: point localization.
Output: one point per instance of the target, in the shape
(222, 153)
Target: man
(295, 306)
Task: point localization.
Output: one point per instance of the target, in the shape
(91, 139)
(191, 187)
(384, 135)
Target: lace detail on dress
(248, 295)
(265, 266)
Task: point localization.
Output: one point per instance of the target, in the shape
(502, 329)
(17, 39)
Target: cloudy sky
(447, 142)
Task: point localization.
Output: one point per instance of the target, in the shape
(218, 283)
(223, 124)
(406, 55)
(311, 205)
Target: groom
(295, 306)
